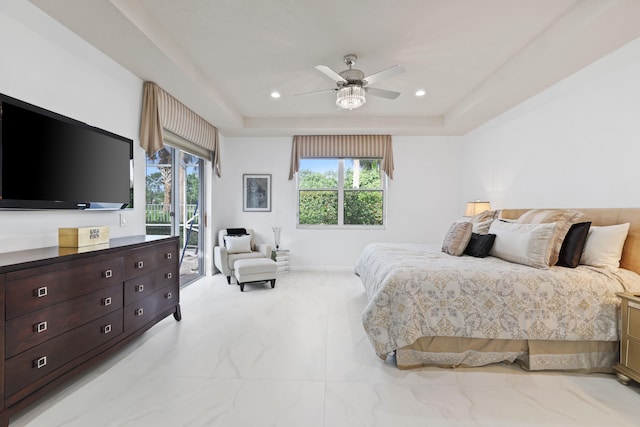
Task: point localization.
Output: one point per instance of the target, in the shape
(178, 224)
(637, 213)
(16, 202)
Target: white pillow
(604, 244)
(527, 244)
(238, 244)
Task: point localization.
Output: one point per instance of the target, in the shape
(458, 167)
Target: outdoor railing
(161, 213)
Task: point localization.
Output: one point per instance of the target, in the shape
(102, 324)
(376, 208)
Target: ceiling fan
(352, 85)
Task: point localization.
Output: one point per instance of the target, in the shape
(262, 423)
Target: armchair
(227, 253)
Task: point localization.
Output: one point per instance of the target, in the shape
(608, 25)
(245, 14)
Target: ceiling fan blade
(330, 73)
(391, 71)
(389, 94)
(315, 92)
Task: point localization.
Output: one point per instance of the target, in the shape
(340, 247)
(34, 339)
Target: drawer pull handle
(40, 327)
(106, 329)
(107, 274)
(139, 311)
(168, 255)
(168, 295)
(140, 264)
(40, 292)
(40, 362)
(168, 275)
(139, 288)
(106, 301)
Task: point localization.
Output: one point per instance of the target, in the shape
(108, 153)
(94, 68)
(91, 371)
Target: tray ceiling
(223, 58)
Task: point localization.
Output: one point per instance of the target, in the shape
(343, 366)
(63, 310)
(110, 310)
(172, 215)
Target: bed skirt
(534, 355)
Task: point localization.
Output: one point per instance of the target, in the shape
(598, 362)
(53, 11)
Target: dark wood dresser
(64, 309)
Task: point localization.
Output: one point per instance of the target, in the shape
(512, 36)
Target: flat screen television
(49, 161)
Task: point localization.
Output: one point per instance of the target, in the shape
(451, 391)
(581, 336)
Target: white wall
(575, 145)
(45, 64)
(423, 198)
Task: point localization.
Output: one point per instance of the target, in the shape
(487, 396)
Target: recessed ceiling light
(275, 94)
(420, 92)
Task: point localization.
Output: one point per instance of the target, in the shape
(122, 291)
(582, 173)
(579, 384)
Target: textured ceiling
(474, 59)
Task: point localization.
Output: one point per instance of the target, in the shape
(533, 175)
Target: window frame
(341, 191)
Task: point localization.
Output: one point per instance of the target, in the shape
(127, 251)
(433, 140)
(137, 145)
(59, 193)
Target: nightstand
(629, 367)
(281, 257)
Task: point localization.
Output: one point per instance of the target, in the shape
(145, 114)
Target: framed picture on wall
(256, 193)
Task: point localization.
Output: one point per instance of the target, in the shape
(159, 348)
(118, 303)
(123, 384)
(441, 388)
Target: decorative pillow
(563, 218)
(482, 227)
(457, 238)
(573, 244)
(604, 244)
(238, 244)
(527, 244)
(480, 245)
(483, 216)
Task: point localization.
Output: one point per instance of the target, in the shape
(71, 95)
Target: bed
(433, 309)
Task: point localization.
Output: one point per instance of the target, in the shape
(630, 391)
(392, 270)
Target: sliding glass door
(173, 202)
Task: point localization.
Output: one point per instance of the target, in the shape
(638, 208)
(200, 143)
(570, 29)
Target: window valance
(161, 111)
(342, 146)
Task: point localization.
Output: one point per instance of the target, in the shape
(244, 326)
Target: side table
(281, 257)
(629, 367)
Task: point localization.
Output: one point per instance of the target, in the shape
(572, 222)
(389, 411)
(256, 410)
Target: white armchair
(225, 255)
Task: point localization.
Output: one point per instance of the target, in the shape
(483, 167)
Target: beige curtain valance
(342, 146)
(162, 111)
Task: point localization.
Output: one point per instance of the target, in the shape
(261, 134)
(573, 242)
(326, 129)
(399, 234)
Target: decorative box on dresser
(629, 367)
(66, 309)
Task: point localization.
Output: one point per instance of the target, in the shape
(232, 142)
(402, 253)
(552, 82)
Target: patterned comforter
(415, 290)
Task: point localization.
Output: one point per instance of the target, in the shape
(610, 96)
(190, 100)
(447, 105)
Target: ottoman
(255, 270)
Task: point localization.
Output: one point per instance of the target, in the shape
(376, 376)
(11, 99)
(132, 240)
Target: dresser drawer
(140, 287)
(33, 364)
(59, 282)
(142, 311)
(34, 328)
(144, 260)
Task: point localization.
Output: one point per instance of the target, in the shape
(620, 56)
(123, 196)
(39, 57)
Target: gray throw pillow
(480, 245)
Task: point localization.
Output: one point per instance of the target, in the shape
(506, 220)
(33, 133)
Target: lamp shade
(474, 208)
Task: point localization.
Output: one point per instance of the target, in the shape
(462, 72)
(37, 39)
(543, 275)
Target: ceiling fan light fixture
(350, 97)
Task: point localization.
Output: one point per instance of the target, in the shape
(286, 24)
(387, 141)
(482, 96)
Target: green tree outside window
(322, 192)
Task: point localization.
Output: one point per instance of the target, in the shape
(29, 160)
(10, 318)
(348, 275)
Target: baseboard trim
(322, 268)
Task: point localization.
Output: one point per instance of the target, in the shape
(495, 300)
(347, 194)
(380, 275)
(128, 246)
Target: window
(340, 192)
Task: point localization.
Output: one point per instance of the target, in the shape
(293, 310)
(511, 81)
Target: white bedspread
(415, 290)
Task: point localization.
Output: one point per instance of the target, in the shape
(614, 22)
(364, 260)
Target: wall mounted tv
(48, 161)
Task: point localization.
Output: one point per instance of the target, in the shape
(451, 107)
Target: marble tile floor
(297, 356)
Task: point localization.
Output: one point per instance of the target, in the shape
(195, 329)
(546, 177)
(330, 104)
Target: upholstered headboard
(608, 216)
